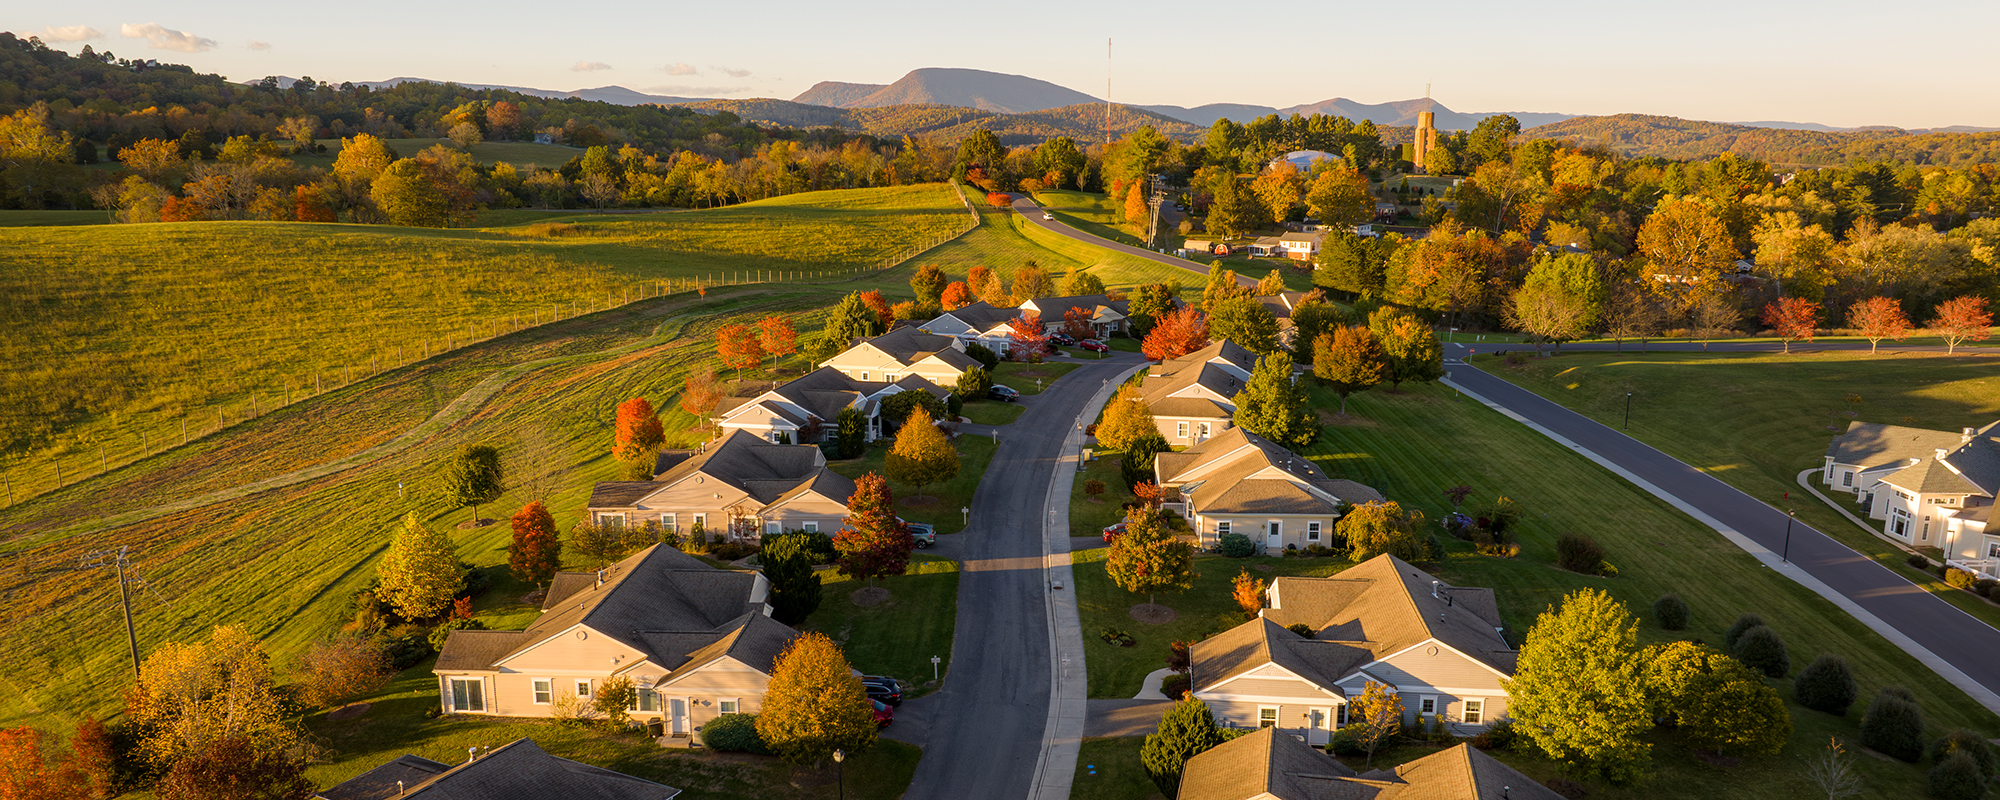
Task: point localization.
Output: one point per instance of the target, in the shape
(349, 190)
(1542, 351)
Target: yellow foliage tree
(922, 454)
(191, 696)
(814, 704)
(1126, 419)
(419, 573)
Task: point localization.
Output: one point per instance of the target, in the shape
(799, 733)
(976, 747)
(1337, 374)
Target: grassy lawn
(1005, 241)
(992, 412)
(19, 217)
(1119, 775)
(1088, 518)
(1023, 376)
(1094, 214)
(1754, 421)
(899, 636)
(974, 452)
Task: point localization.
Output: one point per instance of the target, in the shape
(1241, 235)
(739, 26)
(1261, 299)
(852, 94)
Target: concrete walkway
(1806, 483)
(1150, 688)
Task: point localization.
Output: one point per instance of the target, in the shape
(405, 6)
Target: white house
(979, 323)
(903, 352)
(1194, 397)
(1929, 488)
(739, 484)
(807, 409)
(1239, 482)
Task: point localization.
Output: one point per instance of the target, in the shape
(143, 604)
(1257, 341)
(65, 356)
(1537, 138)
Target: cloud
(166, 38)
(260, 45)
(680, 69)
(589, 66)
(695, 91)
(70, 33)
(733, 73)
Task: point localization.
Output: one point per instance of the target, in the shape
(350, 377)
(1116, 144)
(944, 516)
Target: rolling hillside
(1084, 122)
(1671, 137)
(937, 86)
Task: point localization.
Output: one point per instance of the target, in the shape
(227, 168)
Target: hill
(1084, 122)
(940, 86)
(1398, 112)
(835, 94)
(615, 95)
(1670, 137)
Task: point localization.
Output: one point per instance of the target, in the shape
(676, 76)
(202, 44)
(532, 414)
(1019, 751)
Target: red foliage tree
(91, 753)
(957, 295)
(778, 337)
(235, 769)
(1963, 319)
(1030, 337)
(1878, 318)
(880, 305)
(1794, 318)
(180, 209)
(701, 393)
(26, 772)
(739, 347)
(309, 205)
(1176, 333)
(1076, 324)
(638, 431)
(999, 199)
(1151, 495)
(872, 542)
(536, 553)
(977, 276)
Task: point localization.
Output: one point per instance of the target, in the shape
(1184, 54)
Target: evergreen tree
(1136, 466)
(1235, 210)
(852, 433)
(1243, 320)
(1826, 685)
(929, 283)
(419, 573)
(973, 383)
(1187, 730)
(1349, 360)
(474, 476)
(1272, 406)
(922, 455)
(1572, 693)
(1079, 283)
(1671, 612)
(1148, 558)
(1127, 418)
(536, 553)
(814, 704)
(872, 542)
(1762, 650)
(795, 587)
(851, 320)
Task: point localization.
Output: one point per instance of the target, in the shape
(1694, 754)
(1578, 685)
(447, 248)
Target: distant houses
(905, 352)
(806, 410)
(989, 326)
(1928, 488)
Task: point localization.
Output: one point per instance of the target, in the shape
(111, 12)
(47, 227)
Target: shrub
(1961, 740)
(1497, 736)
(406, 646)
(1671, 612)
(1579, 554)
(1607, 569)
(1346, 741)
(734, 733)
(1984, 586)
(1236, 545)
(983, 354)
(1093, 487)
(1761, 649)
(1516, 359)
(1117, 637)
(1894, 726)
(1743, 623)
(1917, 560)
(1826, 685)
(439, 634)
(1174, 686)
(1957, 778)
(1960, 579)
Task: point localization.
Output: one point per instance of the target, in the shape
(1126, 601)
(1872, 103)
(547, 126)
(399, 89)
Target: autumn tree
(1372, 529)
(638, 438)
(1793, 318)
(1412, 348)
(1271, 405)
(956, 296)
(1248, 592)
(30, 770)
(777, 338)
(1175, 334)
(1278, 189)
(814, 703)
(1687, 246)
(739, 347)
(1028, 335)
(1135, 206)
(419, 573)
(1222, 285)
(885, 314)
(1079, 283)
(236, 768)
(1714, 701)
(1572, 693)
(1349, 360)
(1878, 318)
(473, 477)
(1149, 558)
(1126, 418)
(922, 455)
(1712, 315)
(536, 552)
(700, 393)
(1339, 196)
(155, 160)
(1962, 319)
(340, 668)
(1186, 730)
(929, 283)
(1031, 282)
(192, 696)
(872, 542)
(1076, 324)
(1377, 715)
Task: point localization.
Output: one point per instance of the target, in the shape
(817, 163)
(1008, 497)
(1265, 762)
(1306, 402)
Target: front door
(1274, 535)
(1318, 725)
(678, 709)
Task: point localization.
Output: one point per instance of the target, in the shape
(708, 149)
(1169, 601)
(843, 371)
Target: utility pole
(119, 561)
(1107, 92)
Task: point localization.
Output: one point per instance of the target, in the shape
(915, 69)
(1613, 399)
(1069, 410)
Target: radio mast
(1107, 91)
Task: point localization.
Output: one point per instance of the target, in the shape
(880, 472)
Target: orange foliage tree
(1176, 333)
(1030, 337)
(957, 295)
(26, 772)
(1794, 318)
(778, 337)
(1076, 324)
(536, 553)
(1248, 591)
(1963, 319)
(880, 305)
(1878, 318)
(999, 199)
(739, 347)
(872, 542)
(701, 393)
(180, 209)
(309, 205)
(638, 431)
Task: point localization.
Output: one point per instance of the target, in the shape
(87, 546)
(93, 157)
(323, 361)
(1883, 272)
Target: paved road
(1961, 641)
(982, 733)
(1033, 214)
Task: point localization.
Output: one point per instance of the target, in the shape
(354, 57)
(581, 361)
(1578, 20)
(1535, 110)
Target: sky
(1834, 62)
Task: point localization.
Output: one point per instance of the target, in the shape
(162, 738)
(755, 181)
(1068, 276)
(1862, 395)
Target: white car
(1047, 215)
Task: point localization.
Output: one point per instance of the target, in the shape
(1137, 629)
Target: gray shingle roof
(1226, 350)
(1274, 762)
(1386, 604)
(1869, 444)
(911, 345)
(1211, 376)
(465, 650)
(1970, 463)
(516, 770)
(982, 315)
(614, 494)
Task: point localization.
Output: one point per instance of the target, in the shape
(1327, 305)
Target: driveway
(982, 732)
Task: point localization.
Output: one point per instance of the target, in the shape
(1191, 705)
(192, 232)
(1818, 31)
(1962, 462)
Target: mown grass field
(1414, 445)
(1754, 420)
(941, 500)
(897, 637)
(120, 333)
(1005, 242)
(17, 217)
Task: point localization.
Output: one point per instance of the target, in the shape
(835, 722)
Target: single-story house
(1929, 488)
(981, 323)
(1194, 397)
(1270, 765)
(1239, 482)
(1106, 315)
(1437, 647)
(813, 402)
(740, 483)
(1267, 247)
(516, 769)
(696, 641)
(904, 352)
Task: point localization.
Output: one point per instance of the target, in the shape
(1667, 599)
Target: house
(979, 323)
(740, 483)
(1239, 482)
(1281, 306)
(1302, 245)
(807, 409)
(1267, 247)
(1929, 488)
(1435, 646)
(695, 641)
(516, 769)
(1106, 315)
(904, 352)
(1193, 397)
(1269, 765)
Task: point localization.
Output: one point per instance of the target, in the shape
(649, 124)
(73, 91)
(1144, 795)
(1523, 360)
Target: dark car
(883, 688)
(1063, 339)
(883, 714)
(924, 532)
(1003, 393)
(1094, 346)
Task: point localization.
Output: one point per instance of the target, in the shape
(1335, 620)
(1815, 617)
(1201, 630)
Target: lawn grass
(1095, 214)
(992, 412)
(1088, 518)
(18, 217)
(942, 510)
(1755, 420)
(1022, 376)
(898, 637)
(1118, 773)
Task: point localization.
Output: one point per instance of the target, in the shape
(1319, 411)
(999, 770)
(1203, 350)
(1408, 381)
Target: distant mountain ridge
(942, 86)
(616, 95)
(949, 124)
(1670, 137)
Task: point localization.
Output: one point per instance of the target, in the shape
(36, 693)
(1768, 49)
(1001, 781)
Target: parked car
(883, 714)
(1114, 531)
(924, 532)
(1063, 339)
(1002, 393)
(883, 688)
(1094, 346)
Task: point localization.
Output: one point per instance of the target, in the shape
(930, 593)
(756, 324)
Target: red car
(1114, 531)
(1094, 346)
(883, 713)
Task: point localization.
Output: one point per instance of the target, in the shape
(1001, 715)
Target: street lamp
(840, 777)
(1786, 556)
(1628, 411)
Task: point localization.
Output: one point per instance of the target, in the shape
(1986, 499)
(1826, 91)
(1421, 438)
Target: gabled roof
(1232, 469)
(911, 345)
(1386, 605)
(1272, 762)
(1194, 407)
(1280, 305)
(754, 639)
(740, 457)
(1931, 476)
(1937, 462)
(1053, 309)
(1223, 349)
(1263, 641)
(981, 315)
(829, 484)
(824, 392)
(1213, 377)
(518, 769)
(1870, 444)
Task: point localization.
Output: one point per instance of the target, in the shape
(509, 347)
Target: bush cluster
(1959, 578)
(1314, 551)
(1826, 685)
(1968, 742)
(1917, 560)
(1497, 736)
(1735, 632)
(1761, 649)
(1236, 545)
(1671, 612)
(1578, 553)
(734, 733)
(1894, 725)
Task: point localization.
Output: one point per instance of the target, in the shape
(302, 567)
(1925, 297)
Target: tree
(1273, 284)
(1248, 591)
(343, 667)
(1186, 730)
(1632, 314)
(821, 347)
(1962, 319)
(899, 405)
(1372, 529)
(597, 544)
(1957, 777)
(1235, 209)
(1126, 418)
(1572, 691)
(191, 696)
(1687, 247)
(700, 393)
(1712, 315)
(851, 428)
(922, 455)
(973, 383)
(814, 704)
(1826, 685)
(739, 347)
(536, 553)
(28, 773)
(1349, 360)
(795, 587)
(1762, 650)
(613, 698)
(872, 541)
(1136, 210)
(236, 768)
(1894, 725)
(1149, 303)
(474, 476)
(1793, 318)
(1715, 701)
(1272, 406)
(419, 573)
(1148, 558)
(1831, 773)
(956, 296)
(406, 195)
(885, 315)
(1878, 318)
(1412, 348)
(1136, 466)
(1031, 282)
(1076, 324)
(851, 320)
(1176, 334)
(1959, 740)
(777, 338)
(1245, 321)
(1375, 716)
(1339, 197)
(93, 754)
(929, 283)
(1079, 283)
(1028, 336)
(1312, 318)
(638, 438)
(1222, 285)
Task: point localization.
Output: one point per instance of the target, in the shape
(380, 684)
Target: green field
(898, 637)
(942, 501)
(1415, 444)
(14, 218)
(1006, 241)
(1754, 421)
(120, 334)
(1029, 378)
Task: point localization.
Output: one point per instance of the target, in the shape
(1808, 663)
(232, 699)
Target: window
(668, 522)
(891, 377)
(1180, 430)
(771, 528)
(1428, 704)
(728, 706)
(644, 699)
(864, 375)
(1993, 550)
(1267, 717)
(545, 691)
(812, 527)
(583, 689)
(1847, 479)
(1475, 711)
(1340, 715)
(468, 694)
(701, 521)
(1312, 531)
(775, 436)
(613, 521)
(1222, 528)
(1204, 430)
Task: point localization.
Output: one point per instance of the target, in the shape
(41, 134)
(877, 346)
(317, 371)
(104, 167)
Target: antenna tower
(1107, 91)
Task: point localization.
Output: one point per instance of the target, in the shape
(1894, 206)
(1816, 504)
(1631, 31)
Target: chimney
(600, 579)
(1941, 453)
(399, 788)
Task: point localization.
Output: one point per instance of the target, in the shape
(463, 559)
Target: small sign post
(934, 666)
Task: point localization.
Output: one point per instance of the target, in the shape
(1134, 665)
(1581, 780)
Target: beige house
(516, 769)
(1194, 397)
(1269, 765)
(1302, 245)
(1929, 488)
(807, 410)
(740, 484)
(902, 353)
(696, 641)
(1106, 316)
(1239, 482)
(1435, 646)
(979, 323)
